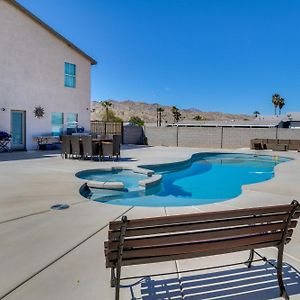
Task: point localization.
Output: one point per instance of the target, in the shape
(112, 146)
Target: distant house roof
(291, 116)
(270, 118)
(50, 29)
(230, 123)
(259, 122)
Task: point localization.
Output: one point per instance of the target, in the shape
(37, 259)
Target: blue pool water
(206, 178)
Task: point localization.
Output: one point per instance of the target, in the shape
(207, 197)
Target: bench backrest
(200, 234)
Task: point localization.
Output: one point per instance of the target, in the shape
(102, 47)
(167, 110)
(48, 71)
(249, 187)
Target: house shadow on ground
(25, 155)
(258, 282)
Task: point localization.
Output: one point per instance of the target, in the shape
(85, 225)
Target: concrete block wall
(133, 135)
(288, 134)
(199, 137)
(161, 136)
(241, 137)
(209, 137)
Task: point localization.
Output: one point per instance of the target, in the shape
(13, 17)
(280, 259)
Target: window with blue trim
(70, 75)
(57, 123)
(72, 120)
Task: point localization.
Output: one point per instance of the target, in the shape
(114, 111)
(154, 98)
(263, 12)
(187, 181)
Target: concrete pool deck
(47, 254)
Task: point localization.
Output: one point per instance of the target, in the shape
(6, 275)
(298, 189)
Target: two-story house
(44, 78)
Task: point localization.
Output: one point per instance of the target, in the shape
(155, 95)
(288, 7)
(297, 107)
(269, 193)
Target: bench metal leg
(120, 254)
(112, 277)
(117, 296)
(250, 259)
(283, 292)
(115, 280)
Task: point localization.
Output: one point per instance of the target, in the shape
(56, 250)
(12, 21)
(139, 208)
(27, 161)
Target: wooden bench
(294, 145)
(152, 240)
(43, 142)
(280, 147)
(256, 144)
(275, 144)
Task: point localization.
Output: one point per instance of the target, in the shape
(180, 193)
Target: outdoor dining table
(87, 146)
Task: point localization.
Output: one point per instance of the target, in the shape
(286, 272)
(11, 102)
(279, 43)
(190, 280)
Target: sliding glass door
(18, 130)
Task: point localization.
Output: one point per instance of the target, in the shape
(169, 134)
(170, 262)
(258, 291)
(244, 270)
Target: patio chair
(111, 148)
(117, 139)
(66, 146)
(256, 144)
(87, 146)
(75, 146)
(279, 147)
(5, 139)
(106, 149)
(264, 143)
(294, 145)
(284, 143)
(271, 143)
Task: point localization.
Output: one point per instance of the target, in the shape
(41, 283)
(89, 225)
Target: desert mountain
(147, 112)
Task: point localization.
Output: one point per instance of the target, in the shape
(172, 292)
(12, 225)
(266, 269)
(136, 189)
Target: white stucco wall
(32, 74)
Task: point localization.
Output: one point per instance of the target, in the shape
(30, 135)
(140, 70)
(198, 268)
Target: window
(72, 120)
(57, 123)
(70, 75)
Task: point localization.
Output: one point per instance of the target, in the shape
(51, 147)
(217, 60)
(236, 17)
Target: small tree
(176, 114)
(256, 113)
(136, 120)
(198, 118)
(106, 105)
(110, 116)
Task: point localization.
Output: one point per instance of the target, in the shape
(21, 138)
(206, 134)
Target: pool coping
(152, 179)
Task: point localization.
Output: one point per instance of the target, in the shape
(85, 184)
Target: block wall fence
(214, 137)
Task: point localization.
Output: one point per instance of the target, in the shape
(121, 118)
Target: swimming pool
(205, 178)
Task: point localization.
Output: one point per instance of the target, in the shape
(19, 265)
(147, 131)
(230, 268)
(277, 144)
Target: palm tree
(275, 101)
(159, 111)
(281, 104)
(106, 104)
(256, 113)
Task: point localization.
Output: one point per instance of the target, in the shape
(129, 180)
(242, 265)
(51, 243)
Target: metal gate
(106, 128)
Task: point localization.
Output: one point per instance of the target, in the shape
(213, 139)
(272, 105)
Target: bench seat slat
(205, 216)
(155, 259)
(198, 247)
(198, 226)
(146, 260)
(197, 236)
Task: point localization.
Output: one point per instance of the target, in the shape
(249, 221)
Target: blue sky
(214, 55)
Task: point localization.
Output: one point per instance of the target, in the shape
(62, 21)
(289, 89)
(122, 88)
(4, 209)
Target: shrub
(136, 120)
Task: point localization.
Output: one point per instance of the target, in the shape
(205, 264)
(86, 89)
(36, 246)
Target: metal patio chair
(66, 146)
(5, 139)
(117, 140)
(75, 146)
(87, 146)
